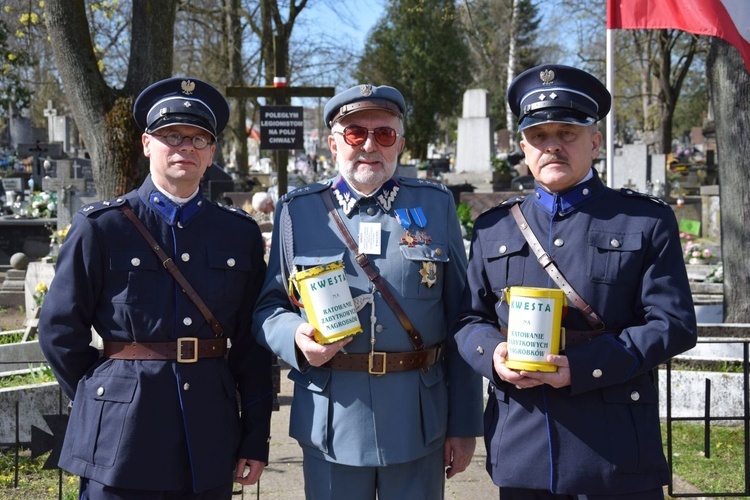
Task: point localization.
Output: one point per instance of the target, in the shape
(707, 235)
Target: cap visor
(555, 116)
(189, 120)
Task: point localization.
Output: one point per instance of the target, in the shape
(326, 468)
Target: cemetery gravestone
(474, 150)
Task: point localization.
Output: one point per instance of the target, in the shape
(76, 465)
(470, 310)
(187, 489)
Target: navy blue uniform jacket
(154, 424)
(621, 252)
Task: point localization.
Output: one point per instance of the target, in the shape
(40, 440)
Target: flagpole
(610, 119)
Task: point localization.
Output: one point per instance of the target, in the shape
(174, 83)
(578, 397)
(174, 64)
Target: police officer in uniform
(590, 429)
(372, 412)
(155, 415)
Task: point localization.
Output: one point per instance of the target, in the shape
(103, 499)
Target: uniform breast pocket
(227, 275)
(132, 275)
(504, 262)
(423, 270)
(615, 257)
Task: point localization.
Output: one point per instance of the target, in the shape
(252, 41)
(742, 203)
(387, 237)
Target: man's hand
(251, 477)
(316, 354)
(457, 453)
(560, 378)
(524, 379)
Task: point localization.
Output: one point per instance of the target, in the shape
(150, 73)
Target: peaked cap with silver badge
(181, 101)
(553, 93)
(361, 98)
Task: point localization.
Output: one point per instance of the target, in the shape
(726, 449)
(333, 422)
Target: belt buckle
(191, 359)
(371, 363)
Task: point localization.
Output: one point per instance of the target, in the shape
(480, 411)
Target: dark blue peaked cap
(181, 101)
(363, 97)
(553, 93)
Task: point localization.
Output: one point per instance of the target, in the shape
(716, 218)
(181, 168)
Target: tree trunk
(510, 120)
(103, 115)
(237, 127)
(729, 83)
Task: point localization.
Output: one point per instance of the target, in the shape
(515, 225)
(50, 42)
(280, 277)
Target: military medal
(429, 273)
(408, 217)
(413, 216)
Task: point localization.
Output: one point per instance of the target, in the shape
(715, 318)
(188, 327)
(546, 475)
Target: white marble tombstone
(474, 150)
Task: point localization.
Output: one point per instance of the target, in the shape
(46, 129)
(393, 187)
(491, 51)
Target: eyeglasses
(199, 141)
(356, 135)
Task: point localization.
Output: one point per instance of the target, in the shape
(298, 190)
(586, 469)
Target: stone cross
(68, 186)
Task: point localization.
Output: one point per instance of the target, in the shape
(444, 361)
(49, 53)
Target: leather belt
(570, 338)
(380, 363)
(184, 350)
(575, 337)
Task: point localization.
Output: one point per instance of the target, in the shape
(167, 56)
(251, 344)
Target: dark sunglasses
(356, 135)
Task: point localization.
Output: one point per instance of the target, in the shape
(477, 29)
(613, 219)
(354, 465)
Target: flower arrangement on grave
(693, 252)
(40, 291)
(43, 205)
(58, 236)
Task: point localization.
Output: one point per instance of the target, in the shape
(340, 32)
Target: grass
(706, 366)
(33, 481)
(723, 472)
(37, 375)
(10, 338)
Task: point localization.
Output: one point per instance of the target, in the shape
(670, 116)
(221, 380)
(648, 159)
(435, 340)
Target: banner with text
(281, 127)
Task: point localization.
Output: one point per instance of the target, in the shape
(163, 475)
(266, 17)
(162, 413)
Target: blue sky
(350, 20)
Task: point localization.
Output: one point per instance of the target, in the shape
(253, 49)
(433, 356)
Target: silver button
(596, 373)
(480, 349)
(585, 191)
(100, 391)
(106, 203)
(187, 321)
(635, 396)
(185, 386)
(135, 261)
(371, 211)
(439, 251)
(185, 257)
(559, 242)
(119, 200)
(156, 199)
(200, 203)
(379, 328)
(179, 224)
(502, 249)
(538, 195)
(615, 243)
(231, 262)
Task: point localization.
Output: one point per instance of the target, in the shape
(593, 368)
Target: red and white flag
(726, 19)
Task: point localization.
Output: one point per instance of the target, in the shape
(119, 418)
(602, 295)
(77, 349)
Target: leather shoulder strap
(170, 266)
(549, 265)
(377, 281)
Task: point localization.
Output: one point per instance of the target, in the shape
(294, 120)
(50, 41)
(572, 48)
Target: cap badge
(365, 90)
(187, 104)
(188, 87)
(547, 76)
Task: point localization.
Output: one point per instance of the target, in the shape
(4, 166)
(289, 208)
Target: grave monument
(474, 150)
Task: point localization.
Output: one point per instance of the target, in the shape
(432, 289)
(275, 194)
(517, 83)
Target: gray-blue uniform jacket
(158, 425)
(353, 417)
(620, 250)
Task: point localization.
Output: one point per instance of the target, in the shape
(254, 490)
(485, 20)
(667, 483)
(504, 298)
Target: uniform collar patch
(170, 212)
(348, 199)
(570, 201)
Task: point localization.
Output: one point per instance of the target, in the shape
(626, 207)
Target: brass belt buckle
(371, 362)
(184, 359)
